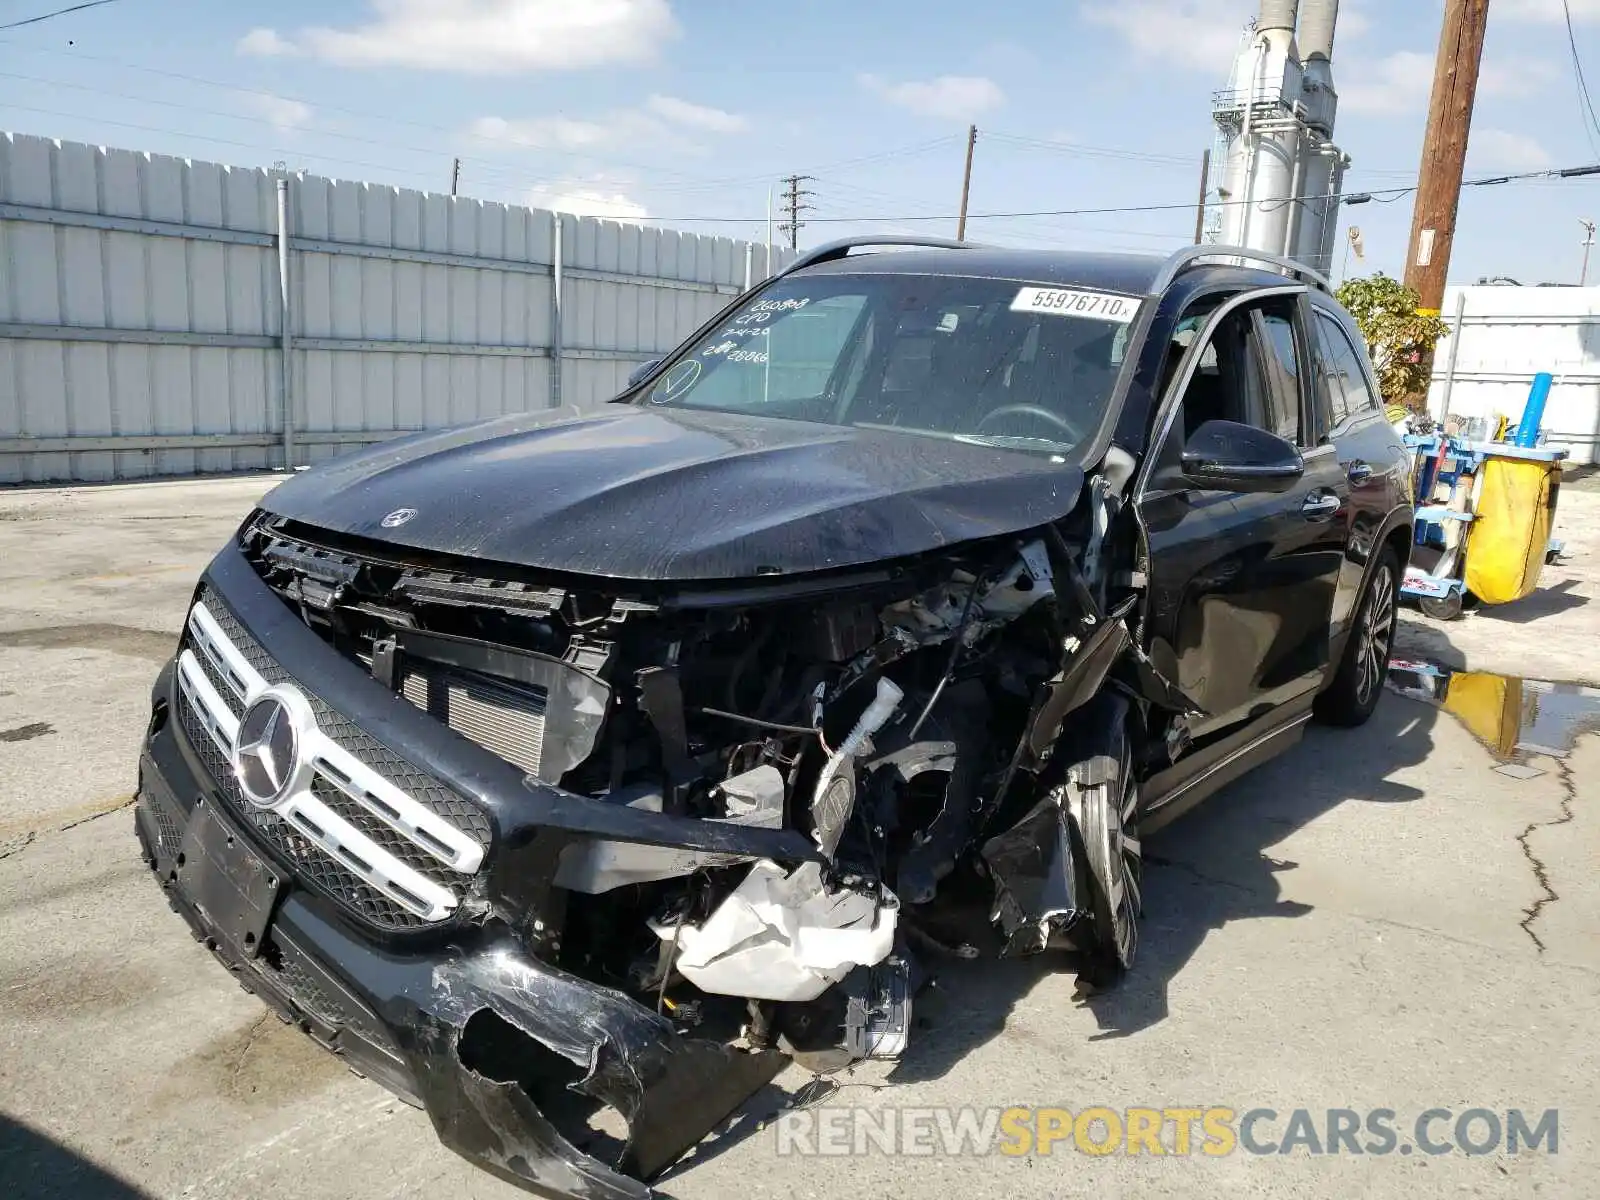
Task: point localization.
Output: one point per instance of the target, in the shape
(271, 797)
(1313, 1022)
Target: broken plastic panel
(784, 937)
(1035, 887)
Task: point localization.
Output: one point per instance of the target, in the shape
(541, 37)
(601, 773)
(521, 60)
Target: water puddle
(1514, 718)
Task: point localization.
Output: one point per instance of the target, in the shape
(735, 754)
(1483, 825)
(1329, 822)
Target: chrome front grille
(362, 824)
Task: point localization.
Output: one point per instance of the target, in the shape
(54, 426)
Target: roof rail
(829, 251)
(1192, 256)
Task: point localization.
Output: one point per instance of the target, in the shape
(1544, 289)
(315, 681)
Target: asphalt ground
(1377, 920)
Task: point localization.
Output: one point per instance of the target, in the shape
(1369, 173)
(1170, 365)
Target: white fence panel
(140, 311)
(1507, 336)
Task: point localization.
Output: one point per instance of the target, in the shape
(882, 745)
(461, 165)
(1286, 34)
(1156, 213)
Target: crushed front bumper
(509, 1056)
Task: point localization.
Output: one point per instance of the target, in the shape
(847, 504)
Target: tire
(1441, 608)
(1358, 684)
(1103, 798)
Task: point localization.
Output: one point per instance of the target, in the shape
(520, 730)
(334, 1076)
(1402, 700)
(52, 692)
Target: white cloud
(1514, 77)
(549, 133)
(949, 97)
(1200, 34)
(283, 112)
(591, 198)
(264, 43)
(696, 116)
(1399, 85)
(1502, 150)
(660, 121)
(1353, 23)
(1548, 10)
(487, 36)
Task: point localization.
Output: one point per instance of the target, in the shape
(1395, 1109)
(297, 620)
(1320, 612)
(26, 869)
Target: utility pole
(1205, 188)
(1444, 149)
(455, 175)
(796, 205)
(966, 184)
(1588, 242)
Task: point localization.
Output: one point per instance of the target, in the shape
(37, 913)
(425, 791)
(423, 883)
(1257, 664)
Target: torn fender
(1080, 679)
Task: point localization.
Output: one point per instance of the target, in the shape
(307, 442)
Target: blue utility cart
(1454, 468)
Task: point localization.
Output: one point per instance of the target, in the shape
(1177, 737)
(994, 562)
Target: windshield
(998, 361)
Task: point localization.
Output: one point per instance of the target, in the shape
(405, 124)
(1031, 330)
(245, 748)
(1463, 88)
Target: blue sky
(687, 111)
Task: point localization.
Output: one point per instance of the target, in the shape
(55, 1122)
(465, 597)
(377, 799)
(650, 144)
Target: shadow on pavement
(1212, 867)
(34, 1166)
(1545, 602)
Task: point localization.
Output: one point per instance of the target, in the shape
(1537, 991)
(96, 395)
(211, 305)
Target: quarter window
(1282, 354)
(1340, 367)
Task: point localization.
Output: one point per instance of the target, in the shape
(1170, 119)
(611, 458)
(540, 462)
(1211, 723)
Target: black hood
(669, 494)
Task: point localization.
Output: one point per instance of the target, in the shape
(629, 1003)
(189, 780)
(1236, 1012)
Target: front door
(1242, 585)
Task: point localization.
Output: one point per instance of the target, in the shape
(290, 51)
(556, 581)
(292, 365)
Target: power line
(1585, 101)
(278, 150)
(60, 12)
(1048, 226)
(1078, 150)
(693, 183)
(1378, 195)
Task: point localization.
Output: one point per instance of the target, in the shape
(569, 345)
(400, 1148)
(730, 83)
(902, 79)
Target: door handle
(1360, 472)
(1319, 506)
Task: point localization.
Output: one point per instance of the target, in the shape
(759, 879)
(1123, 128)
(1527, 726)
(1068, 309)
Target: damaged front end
(722, 821)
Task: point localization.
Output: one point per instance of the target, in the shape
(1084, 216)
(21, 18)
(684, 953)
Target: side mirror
(1233, 457)
(638, 374)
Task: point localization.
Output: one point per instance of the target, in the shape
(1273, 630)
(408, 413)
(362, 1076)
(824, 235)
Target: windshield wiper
(1006, 442)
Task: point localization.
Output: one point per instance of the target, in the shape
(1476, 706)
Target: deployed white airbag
(780, 937)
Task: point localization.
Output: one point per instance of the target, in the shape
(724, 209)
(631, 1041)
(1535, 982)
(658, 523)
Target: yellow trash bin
(1514, 508)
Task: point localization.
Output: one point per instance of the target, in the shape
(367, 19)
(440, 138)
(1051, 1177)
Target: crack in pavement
(116, 808)
(250, 1036)
(31, 836)
(1541, 873)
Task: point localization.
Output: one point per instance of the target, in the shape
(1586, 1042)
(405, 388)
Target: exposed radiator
(504, 719)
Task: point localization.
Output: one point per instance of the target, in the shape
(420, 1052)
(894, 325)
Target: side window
(1275, 332)
(1248, 371)
(1346, 382)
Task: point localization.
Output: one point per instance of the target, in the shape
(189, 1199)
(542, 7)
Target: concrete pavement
(1377, 919)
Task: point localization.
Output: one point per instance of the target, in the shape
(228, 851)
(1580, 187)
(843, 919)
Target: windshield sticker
(1069, 302)
(677, 381)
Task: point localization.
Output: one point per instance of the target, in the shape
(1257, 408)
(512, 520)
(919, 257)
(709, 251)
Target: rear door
(1354, 437)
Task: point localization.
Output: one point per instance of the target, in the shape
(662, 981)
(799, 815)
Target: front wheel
(1353, 695)
(1103, 795)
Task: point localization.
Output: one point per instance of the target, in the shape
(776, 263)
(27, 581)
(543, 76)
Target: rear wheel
(1350, 699)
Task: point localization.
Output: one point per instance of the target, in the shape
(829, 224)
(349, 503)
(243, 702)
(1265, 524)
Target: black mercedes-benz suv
(569, 776)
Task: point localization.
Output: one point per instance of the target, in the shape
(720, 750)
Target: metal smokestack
(1317, 21)
(1323, 164)
(1262, 132)
(1277, 14)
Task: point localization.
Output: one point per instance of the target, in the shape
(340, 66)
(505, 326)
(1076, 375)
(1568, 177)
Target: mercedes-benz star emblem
(398, 518)
(266, 756)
